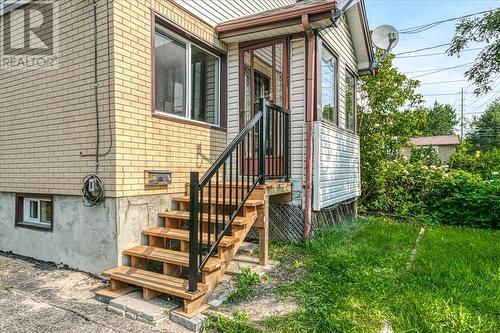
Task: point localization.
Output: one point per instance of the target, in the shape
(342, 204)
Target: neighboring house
(176, 90)
(445, 145)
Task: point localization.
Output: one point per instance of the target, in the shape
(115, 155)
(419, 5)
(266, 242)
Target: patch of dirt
(264, 307)
(265, 301)
(71, 285)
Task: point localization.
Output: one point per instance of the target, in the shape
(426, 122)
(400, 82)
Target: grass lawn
(355, 277)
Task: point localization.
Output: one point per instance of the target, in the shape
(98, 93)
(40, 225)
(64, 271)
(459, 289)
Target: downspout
(311, 59)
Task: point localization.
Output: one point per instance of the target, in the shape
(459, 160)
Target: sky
(403, 14)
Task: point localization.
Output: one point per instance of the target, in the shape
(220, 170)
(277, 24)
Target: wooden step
(183, 235)
(155, 281)
(181, 215)
(109, 294)
(248, 203)
(169, 256)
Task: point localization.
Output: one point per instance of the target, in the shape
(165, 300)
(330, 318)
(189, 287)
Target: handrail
(265, 140)
(276, 107)
(230, 148)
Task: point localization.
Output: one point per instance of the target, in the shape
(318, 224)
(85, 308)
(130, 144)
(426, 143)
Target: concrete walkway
(41, 297)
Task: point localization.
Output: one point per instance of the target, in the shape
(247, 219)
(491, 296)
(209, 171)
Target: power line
(488, 101)
(446, 94)
(493, 91)
(439, 82)
(424, 27)
(434, 69)
(441, 70)
(422, 49)
(436, 53)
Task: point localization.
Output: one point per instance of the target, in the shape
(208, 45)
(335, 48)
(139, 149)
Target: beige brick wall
(47, 117)
(146, 142)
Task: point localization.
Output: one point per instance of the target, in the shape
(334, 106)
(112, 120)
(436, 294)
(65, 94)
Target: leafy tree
(441, 119)
(485, 134)
(392, 114)
(485, 29)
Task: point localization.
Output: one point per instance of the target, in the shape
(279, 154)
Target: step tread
(155, 281)
(169, 256)
(108, 293)
(248, 203)
(182, 215)
(181, 234)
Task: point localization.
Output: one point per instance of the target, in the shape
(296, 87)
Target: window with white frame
(187, 79)
(33, 211)
(329, 106)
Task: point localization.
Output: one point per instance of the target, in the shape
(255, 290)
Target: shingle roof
(439, 140)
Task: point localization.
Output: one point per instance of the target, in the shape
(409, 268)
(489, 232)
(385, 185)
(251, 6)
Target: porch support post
(194, 247)
(264, 234)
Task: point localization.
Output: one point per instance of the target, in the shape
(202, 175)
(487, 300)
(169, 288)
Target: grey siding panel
(336, 172)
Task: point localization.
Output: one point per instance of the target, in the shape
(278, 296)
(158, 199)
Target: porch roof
(276, 22)
(287, 20)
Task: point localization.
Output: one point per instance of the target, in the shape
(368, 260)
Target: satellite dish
(385, 37)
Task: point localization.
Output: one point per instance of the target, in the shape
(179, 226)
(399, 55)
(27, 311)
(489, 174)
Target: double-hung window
(187, 79)
(329, 106)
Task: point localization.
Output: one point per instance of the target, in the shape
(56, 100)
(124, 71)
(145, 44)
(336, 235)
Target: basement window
(34, 212)
(187, 79)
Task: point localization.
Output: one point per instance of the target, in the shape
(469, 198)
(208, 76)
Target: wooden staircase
(169, 245)
(188, 255)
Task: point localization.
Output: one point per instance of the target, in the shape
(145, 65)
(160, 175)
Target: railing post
(262, 142)
(194, 247)
(287, 147)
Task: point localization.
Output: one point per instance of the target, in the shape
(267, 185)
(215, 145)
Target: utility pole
(462, 117)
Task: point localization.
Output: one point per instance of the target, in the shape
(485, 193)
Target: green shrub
(436, 194)
(427, 156)
(403, 188)
(486, 164)
(463, 198)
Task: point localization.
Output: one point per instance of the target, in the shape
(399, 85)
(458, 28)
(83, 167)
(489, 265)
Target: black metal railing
(260, 150)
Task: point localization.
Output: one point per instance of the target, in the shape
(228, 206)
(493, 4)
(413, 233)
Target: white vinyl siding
(336, 150)
(214, 12)
(233, 103)
(297, 109)
(336, 165)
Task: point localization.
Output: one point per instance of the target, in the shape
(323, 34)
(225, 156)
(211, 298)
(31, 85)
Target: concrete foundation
(82, 238)
(88, 239)
(133, 215)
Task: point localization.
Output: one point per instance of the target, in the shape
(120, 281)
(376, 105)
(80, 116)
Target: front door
(264, 74)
